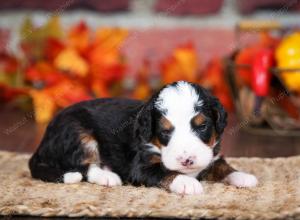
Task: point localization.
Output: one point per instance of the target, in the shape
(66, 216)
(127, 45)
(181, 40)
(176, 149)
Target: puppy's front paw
(241, 179)
(103, 177)
(72, 177)
(183, 184)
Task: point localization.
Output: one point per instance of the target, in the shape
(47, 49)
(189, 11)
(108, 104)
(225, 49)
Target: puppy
(171, 141)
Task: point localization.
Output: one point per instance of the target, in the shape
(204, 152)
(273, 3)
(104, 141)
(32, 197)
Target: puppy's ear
(219, 115)
(143, 126)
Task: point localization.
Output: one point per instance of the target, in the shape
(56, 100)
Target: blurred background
(247, 53)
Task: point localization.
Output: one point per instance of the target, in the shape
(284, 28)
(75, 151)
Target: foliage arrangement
(267, 77)
(60, 67)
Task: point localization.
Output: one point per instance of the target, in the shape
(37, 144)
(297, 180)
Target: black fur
(121, 127)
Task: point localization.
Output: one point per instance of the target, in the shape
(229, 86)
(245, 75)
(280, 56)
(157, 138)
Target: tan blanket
(277, 196)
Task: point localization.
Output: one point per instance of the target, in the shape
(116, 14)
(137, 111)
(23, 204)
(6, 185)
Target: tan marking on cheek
(199, 119)
(165, 123)
(156, 142)
(212, 140)
(155, 159)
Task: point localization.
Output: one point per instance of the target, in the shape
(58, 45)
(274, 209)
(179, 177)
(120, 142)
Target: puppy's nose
(186, 162)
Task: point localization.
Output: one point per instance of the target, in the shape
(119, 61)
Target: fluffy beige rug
(276, 197)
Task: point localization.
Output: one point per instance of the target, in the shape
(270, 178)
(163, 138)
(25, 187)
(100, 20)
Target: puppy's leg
(62, 154)
(222, 171)
(95, 174)
(147, 170)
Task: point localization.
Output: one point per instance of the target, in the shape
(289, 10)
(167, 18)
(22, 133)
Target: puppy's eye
(165, 132)
(202, 127)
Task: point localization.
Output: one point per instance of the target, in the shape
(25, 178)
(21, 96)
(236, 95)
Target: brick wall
(171, 7)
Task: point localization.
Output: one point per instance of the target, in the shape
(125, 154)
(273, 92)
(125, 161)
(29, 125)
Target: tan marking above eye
(166, 124)
(198, 119)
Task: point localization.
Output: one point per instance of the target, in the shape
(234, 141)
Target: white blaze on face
(179, 103)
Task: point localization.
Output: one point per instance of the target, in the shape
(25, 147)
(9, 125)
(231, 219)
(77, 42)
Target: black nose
(187, 162)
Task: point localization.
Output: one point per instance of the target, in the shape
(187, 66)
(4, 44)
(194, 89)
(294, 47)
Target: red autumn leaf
(53, 47)
(8, 64)
(43, 72)
(213, 78)
(79, 37)
(8, 93)
(106, 66)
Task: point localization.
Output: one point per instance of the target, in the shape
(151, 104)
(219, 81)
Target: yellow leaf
(27, 29)
(69, 60)
(53, 28)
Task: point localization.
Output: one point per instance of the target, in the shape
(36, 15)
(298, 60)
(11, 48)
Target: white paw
(183, 184)
(72, 177)
(103, 177)
(241, 179)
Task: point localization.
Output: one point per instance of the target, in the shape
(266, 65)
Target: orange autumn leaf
(213, 74)
(104, 55)
(44, 105)
(100, 89)
(69, 68)
(60, 95)
(187, 57)
(181, 65)
(110, 38)
(70, 61)
(68, 92)
(107, 66)
(142, 91)
(79, 37)
(98, 56)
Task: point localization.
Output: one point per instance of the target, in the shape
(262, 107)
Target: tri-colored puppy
(171, 141)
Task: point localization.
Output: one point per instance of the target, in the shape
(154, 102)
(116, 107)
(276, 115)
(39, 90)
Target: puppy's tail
(43, 171)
